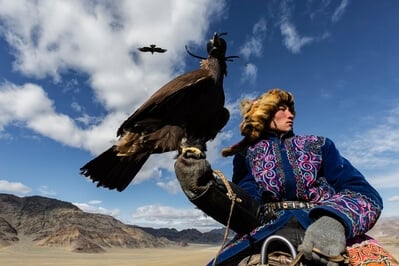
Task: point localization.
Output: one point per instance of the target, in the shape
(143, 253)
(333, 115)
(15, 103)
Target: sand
(25, 254)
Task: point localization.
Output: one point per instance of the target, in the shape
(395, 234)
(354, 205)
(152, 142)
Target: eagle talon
(192, 152)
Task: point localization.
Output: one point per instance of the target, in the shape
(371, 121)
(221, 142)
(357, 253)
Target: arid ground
(24, 253)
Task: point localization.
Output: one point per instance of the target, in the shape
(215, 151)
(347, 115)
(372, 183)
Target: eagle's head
(217, 46)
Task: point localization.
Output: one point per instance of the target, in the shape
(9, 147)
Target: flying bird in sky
(152, 48)
(189, 108)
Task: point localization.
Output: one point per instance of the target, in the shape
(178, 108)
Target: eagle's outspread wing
(159, 50)
(191, 106)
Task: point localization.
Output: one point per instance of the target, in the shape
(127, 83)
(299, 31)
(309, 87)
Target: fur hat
(257, 115)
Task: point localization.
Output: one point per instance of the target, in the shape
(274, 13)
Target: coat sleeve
(355, 202)
(243, 177)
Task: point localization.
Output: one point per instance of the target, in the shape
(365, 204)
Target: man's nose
(289, 113)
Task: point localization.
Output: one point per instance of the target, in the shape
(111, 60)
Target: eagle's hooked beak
(216, 39)
(217, 45)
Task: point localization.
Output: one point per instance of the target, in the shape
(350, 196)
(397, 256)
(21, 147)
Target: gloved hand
(193, 172)
(327, 235)
(209, 193)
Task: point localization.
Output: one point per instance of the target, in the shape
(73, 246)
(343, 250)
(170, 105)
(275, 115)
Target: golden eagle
(152, 48)
(189, 108)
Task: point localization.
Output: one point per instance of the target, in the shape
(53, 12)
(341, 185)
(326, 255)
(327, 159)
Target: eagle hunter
(185, 111)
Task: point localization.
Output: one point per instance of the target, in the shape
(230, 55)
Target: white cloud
(338, 13)
(253, 46)
(385, 179)
(14, 187)
(95, 202)
(87, 120)
(92, 207)
(76, 107)
(292, 40)
(100, 40)
(394, 199)
(250, 73)
(158, 216)
(30, 105)
(172, 186)
(83, 36)
(22, 103)
(5, 135)
(45, 190)
(154, 167)
(376, 147)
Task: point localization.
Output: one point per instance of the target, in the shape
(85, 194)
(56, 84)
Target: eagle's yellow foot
(192, 152)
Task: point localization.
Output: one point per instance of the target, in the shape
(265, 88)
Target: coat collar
(269, 134)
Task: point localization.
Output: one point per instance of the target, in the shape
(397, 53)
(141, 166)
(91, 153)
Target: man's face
(283, 120)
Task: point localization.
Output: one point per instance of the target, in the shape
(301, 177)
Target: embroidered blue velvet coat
(303, 168)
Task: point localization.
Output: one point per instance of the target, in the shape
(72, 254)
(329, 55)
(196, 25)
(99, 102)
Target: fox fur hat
(257, 115)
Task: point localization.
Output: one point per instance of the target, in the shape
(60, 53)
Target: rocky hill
(50, 222)
(188, 235)
(55, 223)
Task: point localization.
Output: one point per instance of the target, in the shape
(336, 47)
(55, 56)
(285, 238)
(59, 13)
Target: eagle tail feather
(112, 171)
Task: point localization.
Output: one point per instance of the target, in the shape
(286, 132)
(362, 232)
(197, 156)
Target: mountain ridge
(55, 223)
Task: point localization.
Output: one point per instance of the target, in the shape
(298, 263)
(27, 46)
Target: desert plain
(25, 254)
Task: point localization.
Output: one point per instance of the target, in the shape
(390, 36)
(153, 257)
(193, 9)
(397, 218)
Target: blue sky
(70, 74)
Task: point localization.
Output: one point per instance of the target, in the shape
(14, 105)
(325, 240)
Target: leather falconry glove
(209, 193)
(326, 235)
(193, 173)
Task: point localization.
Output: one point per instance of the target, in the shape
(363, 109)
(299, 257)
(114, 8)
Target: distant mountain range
(55, 223)
(187, 235)
(386, 231)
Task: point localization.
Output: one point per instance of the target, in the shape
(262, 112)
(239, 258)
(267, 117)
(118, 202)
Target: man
(297, 186)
